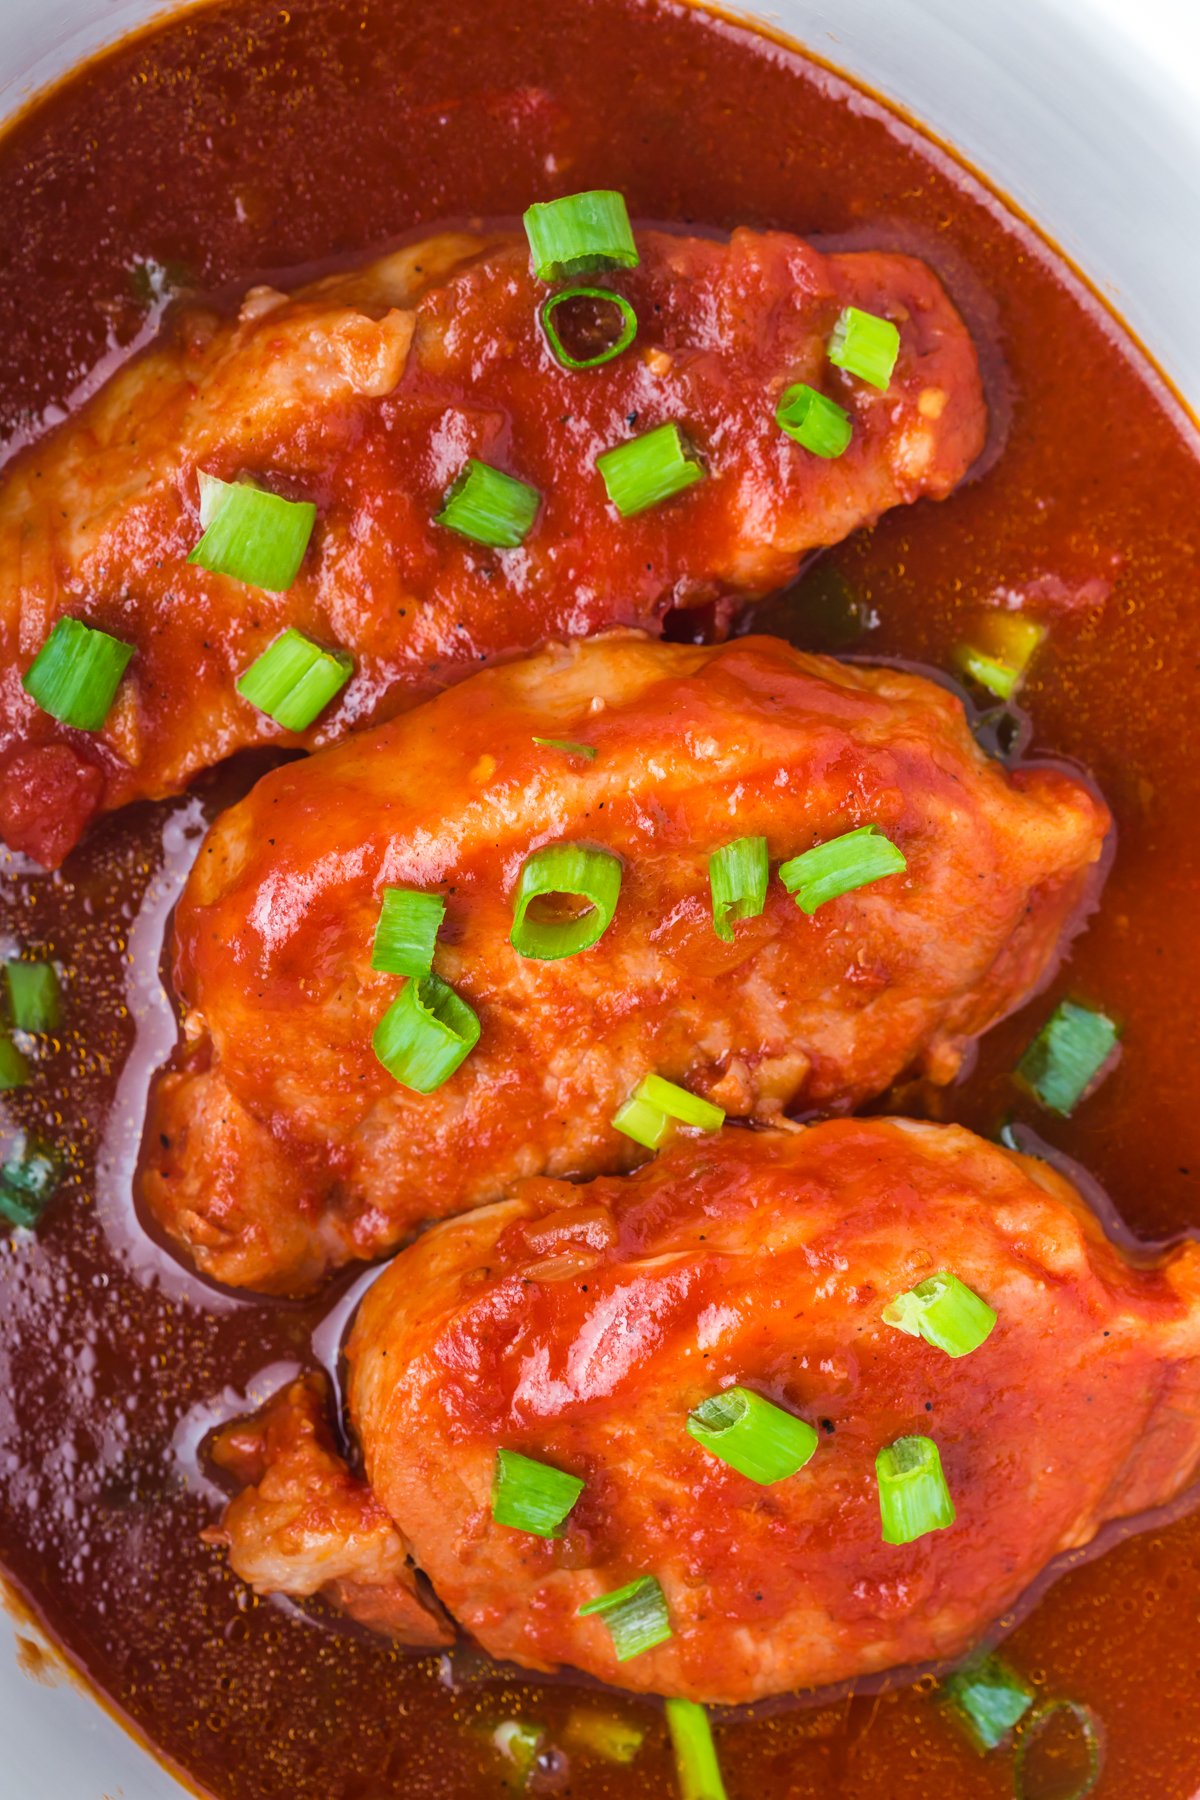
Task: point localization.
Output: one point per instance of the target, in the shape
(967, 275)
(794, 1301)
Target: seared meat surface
(281, 1147)
(366, 394)
(579, 1325)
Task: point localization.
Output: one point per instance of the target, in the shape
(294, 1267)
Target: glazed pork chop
(282, 1147)
(366, 395)
(580, 1327)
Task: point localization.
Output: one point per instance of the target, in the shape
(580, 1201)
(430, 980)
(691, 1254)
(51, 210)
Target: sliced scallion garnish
(913, 1496)
(695, 1753)
(646, 1125)
(649, 469)
(865, 345)
(568, 746)
(565, 872)
(1067, 1055)
(580, 234)
(33, 995)
(532, 1496)
(987, 1698)
(489, 507)
(845, 863)
(622, 339)
(636, 1616)
(252, 535)
(646, 1116)
(1046, 1715)
(518, 1742)
(945, 1312)
(814, 421)
(425, 1034)
(409, 922)
(14, 1070)
(603, 1734)
(753, 1435)
(1000, 651)
(294, 680)
(27, 1184)
(75, 675)
(737, 875)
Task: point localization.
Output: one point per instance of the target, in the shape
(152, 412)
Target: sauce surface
(252, 138)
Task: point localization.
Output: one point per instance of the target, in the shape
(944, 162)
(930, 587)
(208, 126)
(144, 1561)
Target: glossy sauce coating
(273, 137)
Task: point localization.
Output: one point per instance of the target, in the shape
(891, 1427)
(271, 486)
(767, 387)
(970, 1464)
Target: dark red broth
(249, 137)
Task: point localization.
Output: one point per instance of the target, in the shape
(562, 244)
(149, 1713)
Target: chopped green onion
(646, 1116)
(649, 469)
(636, 1616)
(622, 341)
(33, 995)
(1002, 649)
(753, 1435)
(1066, 1056)
(866, 346)
(294, 680)
(568, 746)
(252, 535)
(406, 934)
(565, 870)
(604, 1735)
(26, 1186)
(943, 1311)
(737, 875)
(816, 422)
(1032, 1731)
(987, 1698)
(14, 1070)
(489, 507)
(695, 1753)
(532, 1496)
(646, 1125)
(854, 860)
(425, 1034)
(913, 1496)
(75, 675)
(519, 1742)
(579, 234)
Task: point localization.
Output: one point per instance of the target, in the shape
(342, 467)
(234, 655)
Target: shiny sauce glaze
(244, 139)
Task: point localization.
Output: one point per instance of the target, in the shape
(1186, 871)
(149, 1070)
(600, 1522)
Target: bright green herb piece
(1066, 1056)
(27, 1184)
(646, 1116)
(532, 1496)
(33, 995)
(565, 872)
(626, 333)
(568, 746)
(753, 1435)
(987, 1698)
(945, 1312)
(865, 345)
(913, 1496)
(252, 535)
(845, 863)
(519, 1742)
(1002, 646)
(695, 1753)
(489, 507)
(816, 422)
(75, 675)
(425, 1034)
(646, 1125)
(294, 680)
(580, 234)
(405, 937)
(737, 875)
(649, 469)
(14, 1070)
(636, 1616)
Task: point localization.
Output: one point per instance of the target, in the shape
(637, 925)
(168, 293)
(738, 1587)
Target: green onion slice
(754, 1436)
(252, 535)
(568, 746)
(580, 234)
(14, 1070)
(425, 1034)
(649, 469)
(26, 1186)
(816, 422)
(562, 871)
(1090, 1750)
(913, 1496)
(737, 875)
(532, 1496)
(519, 1742)
(294, 680)
(626, 332)
(647, 1115)
(695, 1753)
(636, 1616)
(1066, 1056)
(75, 675)
(603, 1735)
(865, 345)
(987, 1698)
(489, 507)
(945, 1312)
(406, 934)
(1000, 652)
(854, 860)
(33, 995)
(646, 1125)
